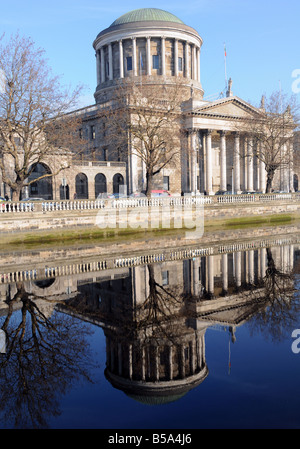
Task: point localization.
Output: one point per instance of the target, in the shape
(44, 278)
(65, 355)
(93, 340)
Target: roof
(146, 14)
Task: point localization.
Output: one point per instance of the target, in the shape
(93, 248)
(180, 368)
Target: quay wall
(143, 217)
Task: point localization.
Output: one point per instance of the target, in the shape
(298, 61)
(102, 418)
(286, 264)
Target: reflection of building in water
(159, 357)
(156, 370)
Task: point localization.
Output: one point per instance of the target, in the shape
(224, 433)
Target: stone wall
(162, 217)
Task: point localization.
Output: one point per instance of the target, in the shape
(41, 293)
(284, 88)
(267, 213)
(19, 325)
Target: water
(195, 343)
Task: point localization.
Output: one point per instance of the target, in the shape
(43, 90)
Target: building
(217, 155)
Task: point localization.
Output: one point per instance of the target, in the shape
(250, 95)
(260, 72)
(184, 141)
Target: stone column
(148, 56)
(198, 64)
(251, 266)
(134, 65)
(130, 365)
(102, 70)
(187, 65)
(223, 168)
(250, 164)
(238, 269)
(196, 266)
(176, 57)
(194, 65)
(262, 256)
(236, 163)
(262, 172)
(121, 59)
(98, 67)
(291, 167)
(209, 187)
(170, 363)
(210, 275)
(193, 147)
(110, 62)
(163, 56)
(224, 263)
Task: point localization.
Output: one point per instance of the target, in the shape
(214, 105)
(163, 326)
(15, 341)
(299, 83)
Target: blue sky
(262, 39)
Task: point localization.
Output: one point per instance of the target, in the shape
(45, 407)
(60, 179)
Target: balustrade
(50, 206)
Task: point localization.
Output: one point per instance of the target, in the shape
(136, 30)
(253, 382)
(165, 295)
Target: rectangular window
(165, 277)
(129, 63)
(180, 66)
(155, 61)
(93, 132)
(166, 183)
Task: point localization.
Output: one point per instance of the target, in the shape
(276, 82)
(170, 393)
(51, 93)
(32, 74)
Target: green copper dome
(147, 14)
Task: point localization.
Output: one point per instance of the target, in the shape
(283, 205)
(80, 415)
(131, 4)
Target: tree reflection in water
(46, 353)
(278, 299)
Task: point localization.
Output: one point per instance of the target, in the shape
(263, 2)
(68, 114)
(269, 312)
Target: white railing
(66, 205)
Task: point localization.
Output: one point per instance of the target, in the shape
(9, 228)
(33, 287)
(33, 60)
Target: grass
(95, 235)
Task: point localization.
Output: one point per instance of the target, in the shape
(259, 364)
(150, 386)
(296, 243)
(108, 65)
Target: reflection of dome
(146, 14)
(155, 400)
(157, 393)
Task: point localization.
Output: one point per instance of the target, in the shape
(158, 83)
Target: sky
(262, 39)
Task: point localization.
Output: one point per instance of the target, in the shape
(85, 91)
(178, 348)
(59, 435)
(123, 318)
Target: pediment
(232, 107)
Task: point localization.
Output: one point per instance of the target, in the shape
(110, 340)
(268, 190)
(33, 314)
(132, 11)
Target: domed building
(147, 42)
(213, 153)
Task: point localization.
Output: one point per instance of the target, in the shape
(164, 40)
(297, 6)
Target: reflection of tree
(278, 301)
(161, 305)
(43, 358)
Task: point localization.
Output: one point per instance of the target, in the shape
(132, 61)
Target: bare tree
(33, 121)
(271, 133)
(144, 120)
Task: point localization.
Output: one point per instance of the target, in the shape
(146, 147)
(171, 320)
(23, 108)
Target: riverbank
(74, 235)
(104, 252)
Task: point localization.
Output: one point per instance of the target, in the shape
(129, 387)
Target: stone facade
(214, 155)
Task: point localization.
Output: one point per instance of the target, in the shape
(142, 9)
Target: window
(165, 277)
(180, 64)
(93, 132)
(155, 61)
(166, 183)
(129, 63)
(80, 133)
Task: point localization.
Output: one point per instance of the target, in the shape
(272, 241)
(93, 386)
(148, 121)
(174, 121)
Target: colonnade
(122, 356)
(246, 268)
(186, 62)
(246, 170)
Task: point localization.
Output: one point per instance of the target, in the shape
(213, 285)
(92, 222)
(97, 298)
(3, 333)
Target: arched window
(100, 184)
(43, 187)
(81, 186)
(118, 181)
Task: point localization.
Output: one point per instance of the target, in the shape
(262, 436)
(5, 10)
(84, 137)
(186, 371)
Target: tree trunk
(270, 177)
(17, 190)
(149, 183)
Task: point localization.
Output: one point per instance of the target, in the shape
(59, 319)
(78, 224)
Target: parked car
(33, 199)
(158, 193)
(118, 196)
(137, 195)
(248, 193)
(221, 192)
(105, 196)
